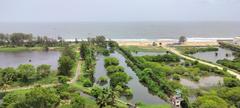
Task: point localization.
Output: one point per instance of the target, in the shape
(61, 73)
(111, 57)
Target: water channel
(140, 92)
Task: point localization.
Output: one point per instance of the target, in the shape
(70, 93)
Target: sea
(126, 30)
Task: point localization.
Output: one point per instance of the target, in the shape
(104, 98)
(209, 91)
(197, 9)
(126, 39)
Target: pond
(204, 82)
(147, 53)
(140, 92)
(212, 57)
(14, 59)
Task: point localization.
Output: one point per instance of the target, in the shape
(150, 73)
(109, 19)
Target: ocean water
(127, 30)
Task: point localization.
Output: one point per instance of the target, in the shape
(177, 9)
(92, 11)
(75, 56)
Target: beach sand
(164, 42)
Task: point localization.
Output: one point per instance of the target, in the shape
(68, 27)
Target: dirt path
(173, 50)
(77, 73)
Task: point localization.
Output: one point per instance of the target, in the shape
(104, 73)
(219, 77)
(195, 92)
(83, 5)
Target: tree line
(28, 40)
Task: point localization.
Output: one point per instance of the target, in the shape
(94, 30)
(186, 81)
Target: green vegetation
(103, 80)
(118, 78)
(230, 46)
(162, 58)
(27, 40)
(235, 63)
(25, 74)
(144, 49)
(111, 61)
(153, 75)
(160, 74)
(210, 102)
(193, 50)
(113, 69)
(156, 73)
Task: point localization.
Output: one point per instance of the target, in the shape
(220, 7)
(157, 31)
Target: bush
(103, 79)
(87, 83)
(128, 92)
(114, 69)
(231, 82)
(210, 101)
(106, 53)
(111, 61)
(176, 77)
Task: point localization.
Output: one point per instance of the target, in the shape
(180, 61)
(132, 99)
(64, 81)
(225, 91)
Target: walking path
(173, 50)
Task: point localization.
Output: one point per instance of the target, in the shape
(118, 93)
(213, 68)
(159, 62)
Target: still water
(100, 70)
(14, 59)
(140, 93)
(204, 82)
(212, 57)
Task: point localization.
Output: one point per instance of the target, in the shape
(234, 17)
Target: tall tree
(39, 98)
(65, 65)
(182, 39)
(27, 72)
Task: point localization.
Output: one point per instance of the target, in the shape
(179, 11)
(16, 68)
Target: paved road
(173, 50)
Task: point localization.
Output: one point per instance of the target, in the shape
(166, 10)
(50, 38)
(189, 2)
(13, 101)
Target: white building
(236, 40)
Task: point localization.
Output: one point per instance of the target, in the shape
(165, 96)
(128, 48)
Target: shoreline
(148, 42)
(194, 39)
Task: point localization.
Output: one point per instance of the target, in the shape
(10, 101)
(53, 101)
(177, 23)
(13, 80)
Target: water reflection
(14, 59)
(211, 56)
(205, 82)
(100, 69)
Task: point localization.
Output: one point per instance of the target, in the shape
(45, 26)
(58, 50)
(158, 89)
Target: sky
(118, 10)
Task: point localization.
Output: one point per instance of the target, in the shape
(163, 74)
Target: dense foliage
(235, 63)
(25, 73)
(193, 50)
(210, 102)
(111, 61)
(118, 78)
(67, 61)
(36, 98)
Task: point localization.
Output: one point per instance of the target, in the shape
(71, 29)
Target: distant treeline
(28, 40)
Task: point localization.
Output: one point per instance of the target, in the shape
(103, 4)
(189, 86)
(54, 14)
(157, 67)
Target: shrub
(87, 83)
(114, 69)
(111, 61)
(176, 77)
(231, 82)
(103, 79)
(106, 53)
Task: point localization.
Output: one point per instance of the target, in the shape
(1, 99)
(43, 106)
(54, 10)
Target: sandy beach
(189, 42)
